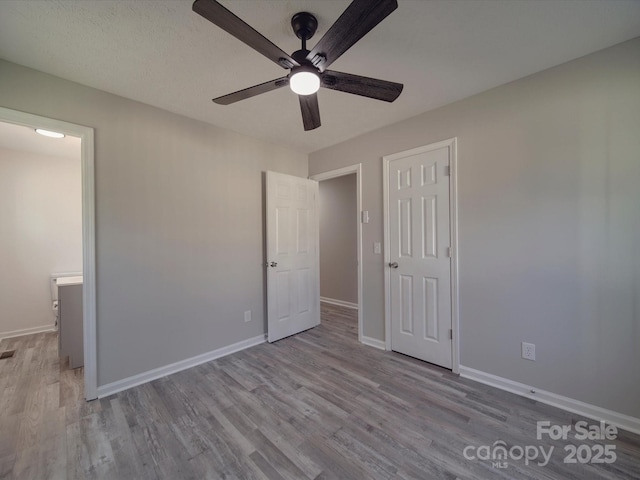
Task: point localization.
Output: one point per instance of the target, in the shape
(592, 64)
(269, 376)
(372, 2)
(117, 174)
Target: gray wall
(41, 223)
(549, 224)
(338, 239)
(178, 223)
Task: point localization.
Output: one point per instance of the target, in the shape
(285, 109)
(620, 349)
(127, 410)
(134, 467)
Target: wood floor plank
(265, 467)
(317, 405)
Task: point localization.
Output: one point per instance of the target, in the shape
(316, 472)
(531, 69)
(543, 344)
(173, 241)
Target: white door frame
(88, 232)
(341, 172)
(453, 217)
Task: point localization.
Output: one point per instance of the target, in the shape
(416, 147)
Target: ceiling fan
(308, 69)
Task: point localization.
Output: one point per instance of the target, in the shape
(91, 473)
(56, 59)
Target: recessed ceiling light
(49, 133)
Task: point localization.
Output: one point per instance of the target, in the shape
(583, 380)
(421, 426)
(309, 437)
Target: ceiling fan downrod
(304, 25)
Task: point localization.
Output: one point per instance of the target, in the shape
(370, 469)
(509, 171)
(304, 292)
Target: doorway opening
(340, 250)
(88, 310)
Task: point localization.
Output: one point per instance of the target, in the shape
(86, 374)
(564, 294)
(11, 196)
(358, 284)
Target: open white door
(293, 284)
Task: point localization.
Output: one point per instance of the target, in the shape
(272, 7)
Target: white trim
(88, 232)
(28, 331)
(594, 412)
(452, 144)
(455, 255)
(148, 376)
(341, 172)
(340, 303)
(387, 253)
(374, 342)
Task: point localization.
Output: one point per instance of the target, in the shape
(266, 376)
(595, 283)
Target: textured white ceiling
(25, 139)
(162, 53)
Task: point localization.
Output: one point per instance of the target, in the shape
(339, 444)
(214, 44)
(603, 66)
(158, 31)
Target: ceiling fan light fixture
(304, 80)
(308, 68)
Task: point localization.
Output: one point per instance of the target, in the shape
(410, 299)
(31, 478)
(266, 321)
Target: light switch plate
(377, 248)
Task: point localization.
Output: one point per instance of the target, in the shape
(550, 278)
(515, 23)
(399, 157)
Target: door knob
(274, 264)
(393, 264)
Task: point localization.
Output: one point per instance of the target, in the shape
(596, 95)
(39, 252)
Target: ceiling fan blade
(364, 86)
(310, 111)
(252, 91)
(223, 18)
(355, 22)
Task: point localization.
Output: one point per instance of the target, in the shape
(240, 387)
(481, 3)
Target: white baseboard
(144, 377)
(594, 412)
(373, 342)
(340, 303)
(28, 331)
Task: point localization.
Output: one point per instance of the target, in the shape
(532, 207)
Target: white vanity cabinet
(70, 338)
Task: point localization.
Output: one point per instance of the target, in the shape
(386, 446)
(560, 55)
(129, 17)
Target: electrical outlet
(247, 316)
(528, 351)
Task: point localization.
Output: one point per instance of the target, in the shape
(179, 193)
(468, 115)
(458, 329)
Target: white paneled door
(419, 264)
(293, 280)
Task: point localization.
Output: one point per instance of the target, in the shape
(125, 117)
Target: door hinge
(449, 252)
(450, 334)
(447, 171)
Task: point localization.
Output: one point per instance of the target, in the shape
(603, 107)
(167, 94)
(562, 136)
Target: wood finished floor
(314, 406)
